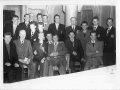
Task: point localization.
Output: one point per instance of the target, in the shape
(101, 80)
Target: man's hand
(97, 51)
(83, 60)
(74, 53)
(16, 65)
(35, 52)
(7, 64)
(42, 61)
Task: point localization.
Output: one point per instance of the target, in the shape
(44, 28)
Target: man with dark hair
(10, 59)
(56, 56)
(39, 17)
(94, 52)
(57, 28)
(73, 27)
(109, 43)
(12, 27)
(99, 30)
(75, 50)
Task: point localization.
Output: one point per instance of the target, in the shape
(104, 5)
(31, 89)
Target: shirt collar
(93, 41)
(110, 27)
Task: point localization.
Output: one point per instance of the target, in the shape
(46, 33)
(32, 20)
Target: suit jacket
(61, 49)
(24, 50)
(26, 28)
(83, 39)
(40, 53)
(60, 32)
(9, 28)
(13, 57)
(77, 48)
(91, 51)
(99, 32)
(69, 29)
(110, 40)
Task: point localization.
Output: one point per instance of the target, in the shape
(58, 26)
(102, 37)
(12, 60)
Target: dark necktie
(84, 34)
(93, 44)
(22, 43)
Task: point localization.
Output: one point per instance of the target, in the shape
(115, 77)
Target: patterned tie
(22, 43)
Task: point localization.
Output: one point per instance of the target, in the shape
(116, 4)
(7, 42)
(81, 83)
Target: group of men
(41, 46)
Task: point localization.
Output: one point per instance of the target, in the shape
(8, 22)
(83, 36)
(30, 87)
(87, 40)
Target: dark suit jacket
(40, 53)
(13, 57)
(25, 50)
(60, 32)
(77, 48)
(91, 51)
(69, 29)
(26, 28)
(110, 40)
(9, 28)
(99, 32)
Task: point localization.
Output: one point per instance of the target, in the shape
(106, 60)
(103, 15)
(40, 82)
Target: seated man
(10, 58)
(56, 56)
(94, 52)
(25, 54)
(40, 52)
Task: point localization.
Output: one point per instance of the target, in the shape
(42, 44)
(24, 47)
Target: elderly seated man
(56, 56)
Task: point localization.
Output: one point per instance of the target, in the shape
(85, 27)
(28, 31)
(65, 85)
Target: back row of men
(75, 38)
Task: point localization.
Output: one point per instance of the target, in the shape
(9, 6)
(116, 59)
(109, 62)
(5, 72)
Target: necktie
(93, 44)
(108, 31)
(55, 47)
(22, 43)
(94, 28)
(32, 34)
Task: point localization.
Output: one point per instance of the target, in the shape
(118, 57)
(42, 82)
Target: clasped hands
(25, 61)
(9, 64)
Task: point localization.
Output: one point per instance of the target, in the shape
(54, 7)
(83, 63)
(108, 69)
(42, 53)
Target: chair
(25, 72)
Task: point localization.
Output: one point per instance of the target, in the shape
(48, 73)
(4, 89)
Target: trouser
(109, 59)
(46, 68)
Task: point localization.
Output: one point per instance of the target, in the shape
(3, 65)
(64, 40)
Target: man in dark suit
(57, 28)
(34, 32)
(40, 52)
(75, 50)
(109, 44)
(94, 52)
(12, 27)
(73, 27)
(26, 26)
(10, 59)
(25, 54)
(56, 56)
(99, 30)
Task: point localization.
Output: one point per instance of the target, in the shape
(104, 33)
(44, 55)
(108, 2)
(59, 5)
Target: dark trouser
(109, 59)
(13, 74)
(59, 62)
(46, 68)
(32, 67)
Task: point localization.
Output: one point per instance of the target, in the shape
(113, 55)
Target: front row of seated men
(43, 56)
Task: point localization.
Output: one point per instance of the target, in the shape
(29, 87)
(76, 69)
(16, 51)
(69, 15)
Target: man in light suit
(56, 56)
(25, 54)
(94, 52)
(73, 27)
(45, 22)
(40, 50)
(57, 28)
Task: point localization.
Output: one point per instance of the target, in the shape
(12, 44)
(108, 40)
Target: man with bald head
(25, 54)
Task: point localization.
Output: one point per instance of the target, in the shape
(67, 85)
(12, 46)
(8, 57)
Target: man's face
(40, 27)
(95, 22)
(109, 22)
(55, 38)
(41, 36)
(31, 17)
(32, 26)
(7, 38)
(71, 35)
(27, 18)
(93, 36)
(84, 26)
(49, 37)
(39, 18)
(22, 34)
(15, 20)
(45, 19)
(73, 21)
(57, 19)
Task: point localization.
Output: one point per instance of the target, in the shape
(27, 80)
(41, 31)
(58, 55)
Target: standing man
(12, 27)
(40, 52)
(98, 29)
(25, 54)
(109, 44)
(39, 17)
(45, 22)
(56, 56)
(94, 52)
(75, 50)
(32, 17)
(57, 28)
(73, 27)
(10, 59)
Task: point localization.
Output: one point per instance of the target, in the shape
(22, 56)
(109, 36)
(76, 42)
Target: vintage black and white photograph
(53, 43)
